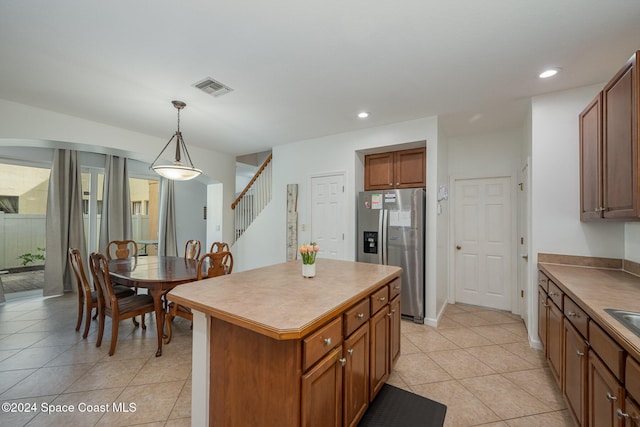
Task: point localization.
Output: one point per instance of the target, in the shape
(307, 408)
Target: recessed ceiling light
(548, 73)
(363, 114)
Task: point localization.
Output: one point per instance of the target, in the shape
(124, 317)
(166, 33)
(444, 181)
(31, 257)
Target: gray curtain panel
(64, 222)
(115, 221)
(167, 241)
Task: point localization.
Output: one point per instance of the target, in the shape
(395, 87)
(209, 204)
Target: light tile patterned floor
(478, 363)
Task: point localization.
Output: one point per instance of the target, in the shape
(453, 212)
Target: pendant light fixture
(177, 171)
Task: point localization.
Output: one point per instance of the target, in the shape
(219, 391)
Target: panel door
(590, 161)
(322, 392)
(356, 376)
(483, 241)
(543, 315)
(575, 372)
(554, 340)
(379, 360)
(620, 147)
(327, 215)
(605, 395)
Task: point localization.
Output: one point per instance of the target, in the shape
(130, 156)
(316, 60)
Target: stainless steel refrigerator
(391, 229)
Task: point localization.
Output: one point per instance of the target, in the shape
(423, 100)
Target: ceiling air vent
(212, 87)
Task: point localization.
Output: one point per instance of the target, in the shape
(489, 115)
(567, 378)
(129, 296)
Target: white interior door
(327, 217)
(483, 271)
(523, 242)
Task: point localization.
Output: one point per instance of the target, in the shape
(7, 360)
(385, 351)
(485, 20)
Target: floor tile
(464, 337)
(500, 360)
(541, 384)
(430, 340)
(32, 357)
(460, 363)
(505, 398)
(107, 374)
(46, 381)
(550, 419)
(419, 369)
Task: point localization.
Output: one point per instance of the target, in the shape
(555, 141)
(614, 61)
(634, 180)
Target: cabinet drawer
(379, 299)
(555, 294)
(543, 281)
(611, 353)
(632, 378)
(355, 317)
(576, 316)
(321, 342)
(394, 288)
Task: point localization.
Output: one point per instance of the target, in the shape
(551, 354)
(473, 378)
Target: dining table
(157, 274)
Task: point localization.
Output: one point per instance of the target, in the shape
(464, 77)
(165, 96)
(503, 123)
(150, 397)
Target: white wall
(632, 241)
(443, 247)
(485, 155)
(25, 126)
(555, 189)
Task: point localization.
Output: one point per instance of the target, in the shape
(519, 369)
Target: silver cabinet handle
(610, 397)
(360, 315)
(342, 361)
(621, 414)
(327, 341)
(350, 352)
(382, 299)
(579, 353)
(390, 314)
(544, 305)
(396, 287)
(571, 314)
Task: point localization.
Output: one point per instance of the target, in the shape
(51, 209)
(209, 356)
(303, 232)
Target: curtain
(115, 220)
(64, 222)
(167, 241)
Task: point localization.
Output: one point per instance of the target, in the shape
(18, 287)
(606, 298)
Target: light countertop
(278, 302)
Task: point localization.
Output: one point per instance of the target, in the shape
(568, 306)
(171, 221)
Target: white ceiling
(303, 69)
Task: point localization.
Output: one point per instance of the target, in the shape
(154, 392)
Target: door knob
(458, 247)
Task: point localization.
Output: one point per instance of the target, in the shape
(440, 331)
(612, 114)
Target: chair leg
(144, 326)
(87, 322)
(80, 310)
(135, 322)
(114, 336)
(100, 328)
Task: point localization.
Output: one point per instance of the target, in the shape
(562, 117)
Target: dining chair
(192, 249)
(214, 264)
(116, 308)
(123, 249)
(219, 247)
(88, 298)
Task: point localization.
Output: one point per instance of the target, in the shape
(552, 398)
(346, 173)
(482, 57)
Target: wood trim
(264, 165)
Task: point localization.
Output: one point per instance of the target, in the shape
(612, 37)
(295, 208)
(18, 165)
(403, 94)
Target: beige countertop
(595, 289)
(278, 302)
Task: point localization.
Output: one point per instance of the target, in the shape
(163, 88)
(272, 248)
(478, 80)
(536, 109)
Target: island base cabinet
(322, 392)
(356, 376)
(395, 317)
(605, 395)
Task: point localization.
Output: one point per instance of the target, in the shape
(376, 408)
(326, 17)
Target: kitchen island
(273, 348)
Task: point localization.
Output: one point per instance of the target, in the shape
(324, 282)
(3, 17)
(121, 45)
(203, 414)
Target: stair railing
(255, 196)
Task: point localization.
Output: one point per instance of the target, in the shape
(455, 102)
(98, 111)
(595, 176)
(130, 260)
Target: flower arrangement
(309, 252)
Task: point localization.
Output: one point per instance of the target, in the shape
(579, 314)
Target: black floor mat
(394, 407)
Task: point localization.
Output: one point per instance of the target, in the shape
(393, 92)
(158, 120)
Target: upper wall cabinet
(609, 149)
(395, 169)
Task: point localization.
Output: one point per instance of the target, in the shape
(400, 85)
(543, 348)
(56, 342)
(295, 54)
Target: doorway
(327, 215)
(483, 270)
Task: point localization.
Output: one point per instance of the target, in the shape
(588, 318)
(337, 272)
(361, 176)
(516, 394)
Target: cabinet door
(620, 147)
(554, 340)
(574, 376)
(322, 392)
(543, 315)
(378, 171)
(394, 330)
(410, 168)
(604, 396)
(356, 376)
(379, 359)
(590, 161)
(631, 414)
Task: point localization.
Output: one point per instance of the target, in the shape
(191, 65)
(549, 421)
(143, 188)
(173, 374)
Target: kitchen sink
(630, 319)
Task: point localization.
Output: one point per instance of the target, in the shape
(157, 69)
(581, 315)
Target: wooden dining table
(157, 274)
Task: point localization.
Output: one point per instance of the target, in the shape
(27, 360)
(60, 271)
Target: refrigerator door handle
(385, 228)
(381, 236)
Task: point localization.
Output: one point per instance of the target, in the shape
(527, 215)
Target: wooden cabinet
(554, 340)
(322, 392)
(631, 414)
(609, 149)
(574, 369)
(356, 376)
(605, 395)
(395, 169)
